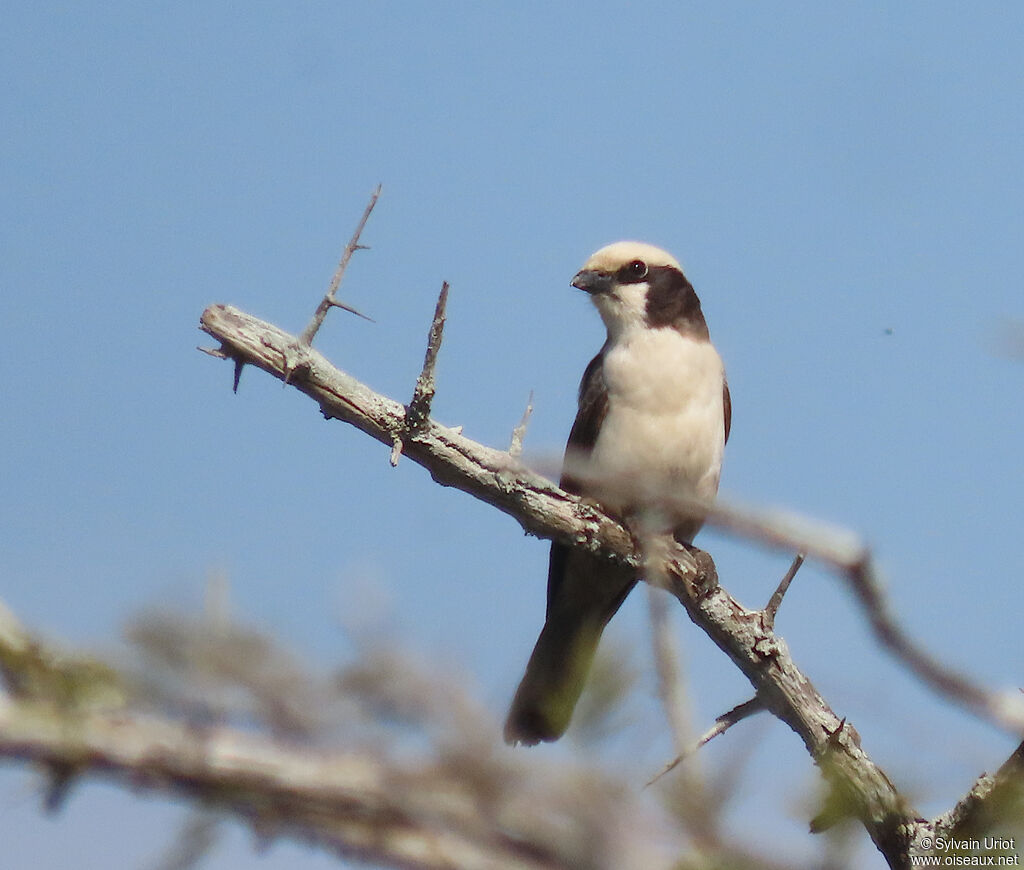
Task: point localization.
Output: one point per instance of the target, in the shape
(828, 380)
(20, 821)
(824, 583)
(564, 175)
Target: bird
(654, 414)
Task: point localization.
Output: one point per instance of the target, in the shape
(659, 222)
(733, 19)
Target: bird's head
(636, 285)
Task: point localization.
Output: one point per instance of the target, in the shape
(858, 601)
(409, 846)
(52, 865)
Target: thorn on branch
(334, 303)
(835, 735)
(396, 451)
(330, 298)
(223, 353)
(515, 447)
(216, 352)
(722, 724)
(772, 607)
(418, 410)
(60, 778)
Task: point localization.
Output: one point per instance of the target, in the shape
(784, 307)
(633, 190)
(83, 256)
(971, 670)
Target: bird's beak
(593, 281)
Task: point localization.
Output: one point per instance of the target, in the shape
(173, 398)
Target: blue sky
(843, 185)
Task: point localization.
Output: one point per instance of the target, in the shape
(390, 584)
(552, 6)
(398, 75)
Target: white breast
(665, 425)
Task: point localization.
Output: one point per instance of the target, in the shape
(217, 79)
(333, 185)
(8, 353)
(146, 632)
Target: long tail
(583, 594)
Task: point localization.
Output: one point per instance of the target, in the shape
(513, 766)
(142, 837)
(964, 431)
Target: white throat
(624, 309)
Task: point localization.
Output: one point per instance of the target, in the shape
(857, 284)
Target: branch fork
(330, 299)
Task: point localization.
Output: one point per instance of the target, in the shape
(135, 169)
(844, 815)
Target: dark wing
(593, 405)
(727, 401)
(584, 591)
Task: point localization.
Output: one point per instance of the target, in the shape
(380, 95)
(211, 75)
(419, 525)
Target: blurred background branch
(219, 714)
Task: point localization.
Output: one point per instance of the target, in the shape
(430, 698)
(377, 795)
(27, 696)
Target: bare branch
(452, 459)
(544, 509)
(330, 298)
(419, 408)
(845, 552)
(350, 803)
(746, 636)
(772, 607)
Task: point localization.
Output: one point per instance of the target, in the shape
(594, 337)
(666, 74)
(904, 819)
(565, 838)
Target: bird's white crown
(612, 257)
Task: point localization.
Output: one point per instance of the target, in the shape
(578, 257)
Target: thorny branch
(330, 299)
(667, 678)
(347, 804)
(545, 510)
(452, 459)
(850, 558)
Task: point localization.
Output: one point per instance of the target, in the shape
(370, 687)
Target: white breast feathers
(665, 424)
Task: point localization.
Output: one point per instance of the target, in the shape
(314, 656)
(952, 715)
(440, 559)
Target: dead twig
(417, 412)
(418, 409)
(772, 607)
(330, 297)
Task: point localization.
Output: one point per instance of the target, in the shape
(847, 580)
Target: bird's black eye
(633, 272)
